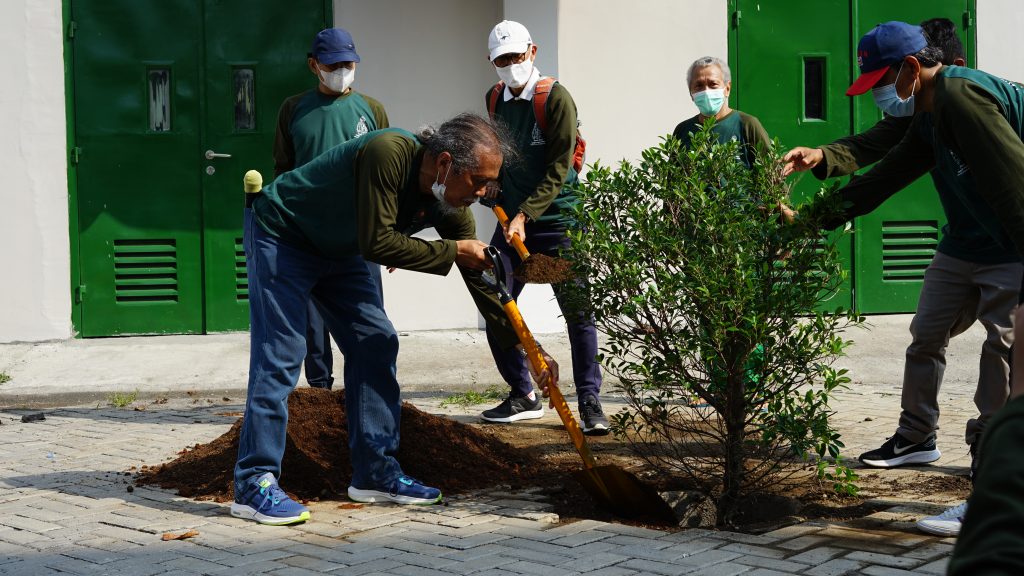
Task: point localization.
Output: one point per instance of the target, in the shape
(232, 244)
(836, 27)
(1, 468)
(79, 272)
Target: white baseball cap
(508, 37)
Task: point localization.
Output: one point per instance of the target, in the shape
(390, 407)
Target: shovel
(542, 269)
(611, 487)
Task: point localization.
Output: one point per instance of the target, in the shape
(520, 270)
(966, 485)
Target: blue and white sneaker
(265, 502)
(404, 490)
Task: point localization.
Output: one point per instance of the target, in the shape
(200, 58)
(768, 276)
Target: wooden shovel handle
(517, 243)
(539, 365)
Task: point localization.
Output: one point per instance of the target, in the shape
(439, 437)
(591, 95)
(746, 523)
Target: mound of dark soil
(438, 451)
(543, 269)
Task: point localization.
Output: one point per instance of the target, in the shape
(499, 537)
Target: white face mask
(338, 80)
(516, 76)
(438, 188)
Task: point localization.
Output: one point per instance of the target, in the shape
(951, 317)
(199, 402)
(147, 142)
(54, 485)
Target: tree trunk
(735, 453)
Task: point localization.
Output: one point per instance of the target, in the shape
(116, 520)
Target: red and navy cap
(884, 46)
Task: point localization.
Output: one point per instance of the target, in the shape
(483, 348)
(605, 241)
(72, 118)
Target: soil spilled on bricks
(435, 450)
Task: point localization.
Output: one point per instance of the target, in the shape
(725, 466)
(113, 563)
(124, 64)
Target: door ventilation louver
(241, 279)
(907, 249)
(145, 270)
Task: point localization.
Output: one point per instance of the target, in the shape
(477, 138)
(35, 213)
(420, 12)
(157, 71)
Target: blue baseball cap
(884, 46)
(334, 45)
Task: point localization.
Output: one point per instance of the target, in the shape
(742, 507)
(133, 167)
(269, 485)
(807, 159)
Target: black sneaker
(594, 422)
(898, 451)
(513, 409)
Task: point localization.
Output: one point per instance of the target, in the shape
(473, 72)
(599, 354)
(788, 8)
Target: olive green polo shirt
(973, 135)
(969, 218)
(362, 197)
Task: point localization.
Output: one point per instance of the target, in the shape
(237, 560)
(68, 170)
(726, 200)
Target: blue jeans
(586, 372)
(282, 279)
(319, 361)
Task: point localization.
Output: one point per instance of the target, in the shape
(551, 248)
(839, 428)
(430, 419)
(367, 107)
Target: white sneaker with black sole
(945, 524)
(898, 451)
(513, 409)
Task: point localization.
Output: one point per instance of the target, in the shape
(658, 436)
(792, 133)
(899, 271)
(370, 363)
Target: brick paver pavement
(65, 508)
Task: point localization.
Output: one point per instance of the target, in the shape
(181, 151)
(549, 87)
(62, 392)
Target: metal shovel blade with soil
(612, 488)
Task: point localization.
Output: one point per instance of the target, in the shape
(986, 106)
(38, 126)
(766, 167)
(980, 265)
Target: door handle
(210, 155)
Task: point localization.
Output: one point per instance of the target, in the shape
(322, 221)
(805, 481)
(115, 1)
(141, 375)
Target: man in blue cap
(971, 278)
(967, 125)
(311, 123)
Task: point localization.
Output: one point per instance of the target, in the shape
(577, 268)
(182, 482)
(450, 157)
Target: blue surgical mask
(890, 102)
(710, 101)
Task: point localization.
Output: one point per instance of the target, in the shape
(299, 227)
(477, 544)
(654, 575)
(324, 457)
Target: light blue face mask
(890, 102)
(709, 101)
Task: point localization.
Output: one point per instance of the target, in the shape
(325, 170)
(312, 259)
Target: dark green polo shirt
(540, 184)
(363, 197)
(969, 218)
(973, 136)
(735, 125)
(312, 122)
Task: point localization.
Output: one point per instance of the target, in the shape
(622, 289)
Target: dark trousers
(319, 361)
(548, 240)
(282, 279)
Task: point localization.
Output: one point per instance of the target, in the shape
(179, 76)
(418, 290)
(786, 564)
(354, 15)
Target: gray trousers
(955, 294)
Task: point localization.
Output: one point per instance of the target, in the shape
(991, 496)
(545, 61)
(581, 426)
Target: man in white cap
(537, 194)
(308, 125)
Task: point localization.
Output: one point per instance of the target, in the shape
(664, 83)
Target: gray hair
(464, 136)
(704, 62)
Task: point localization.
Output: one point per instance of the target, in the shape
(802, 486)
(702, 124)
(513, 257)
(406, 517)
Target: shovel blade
(623, 494)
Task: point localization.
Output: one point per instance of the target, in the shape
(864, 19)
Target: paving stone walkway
(65, 507)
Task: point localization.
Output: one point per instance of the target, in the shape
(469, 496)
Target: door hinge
(736, 18)
(79, 293)
(72, 26)
(76, 155)
(968, 19)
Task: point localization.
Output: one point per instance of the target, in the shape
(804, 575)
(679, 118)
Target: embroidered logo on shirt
(961, 168)
(361, 127)
(537, 136)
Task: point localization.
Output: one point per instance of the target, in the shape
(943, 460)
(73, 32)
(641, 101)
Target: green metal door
(895, 243)
(255, 58)
(791, 74)
(172, 102)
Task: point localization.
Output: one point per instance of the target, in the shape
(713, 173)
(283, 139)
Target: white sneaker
(945, 524)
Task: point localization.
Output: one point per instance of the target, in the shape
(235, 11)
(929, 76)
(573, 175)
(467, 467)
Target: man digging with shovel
(309, 234)
(537, 195)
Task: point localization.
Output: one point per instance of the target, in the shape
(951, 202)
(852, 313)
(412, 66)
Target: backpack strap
(540, 100)
(492, 98)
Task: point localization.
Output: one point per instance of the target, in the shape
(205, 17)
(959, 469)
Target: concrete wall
(625, 64)
(417, 58)
(35, 294)
(427, 61)
(999, 22)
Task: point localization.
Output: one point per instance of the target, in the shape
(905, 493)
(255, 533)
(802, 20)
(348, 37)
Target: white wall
(35, 293)
(417, 58)
(427, 61)
(625, 64)
(999, 23)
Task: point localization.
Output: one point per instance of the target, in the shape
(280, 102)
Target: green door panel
(138, 195)
(896, 242)
(792, 75)
(155, 86)
(251, 66)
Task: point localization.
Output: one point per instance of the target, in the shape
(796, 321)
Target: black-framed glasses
(509, 59)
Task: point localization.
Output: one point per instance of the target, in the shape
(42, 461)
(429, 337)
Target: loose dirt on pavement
(435, 450)
(460, 458)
